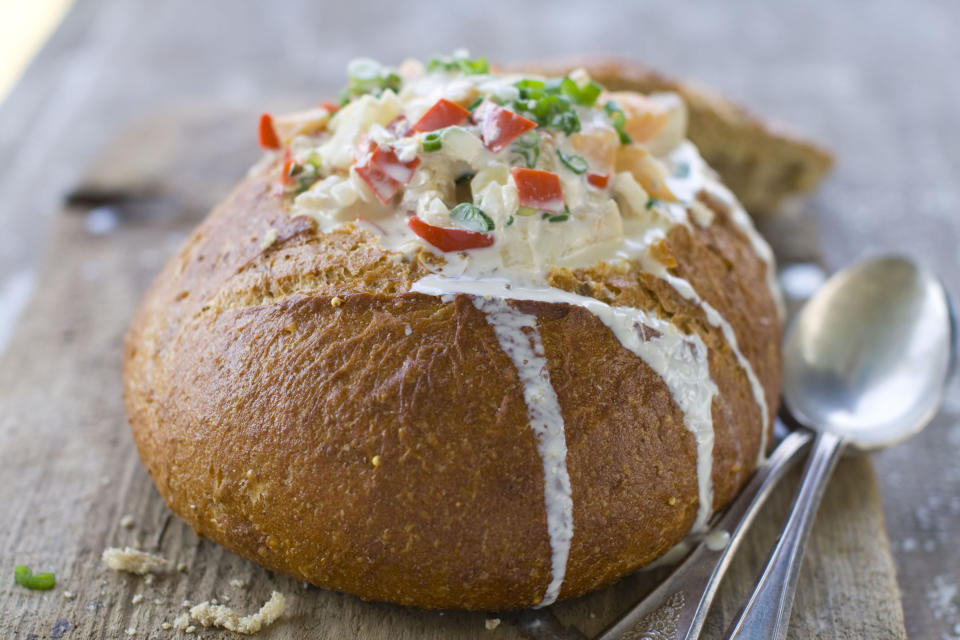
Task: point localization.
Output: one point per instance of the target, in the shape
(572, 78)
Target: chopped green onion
(314, 160)
(463, 177)
(23, 576)
(459, 63)
(527, 147)
(555, 111)
(509, 221)
(472, 217)
(526, 211)
(554, 85)
(476, 103)
(304, 175)
(530, 89)
(619, 121)
(568, 122)
(586, 95)
(547, 104)
(432, 141)
(393, 81)
(561, 217)
(651, 203)
(575, 163)
(368, 77)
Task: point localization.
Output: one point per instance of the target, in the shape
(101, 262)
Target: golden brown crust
(262, 382)
(763, 163)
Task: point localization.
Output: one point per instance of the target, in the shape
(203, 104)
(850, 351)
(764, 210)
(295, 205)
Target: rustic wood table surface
(876, 82)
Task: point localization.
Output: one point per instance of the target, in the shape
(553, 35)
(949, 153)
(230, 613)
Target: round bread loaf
(369, 413)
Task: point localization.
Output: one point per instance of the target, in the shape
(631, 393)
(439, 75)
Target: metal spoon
(866, 366)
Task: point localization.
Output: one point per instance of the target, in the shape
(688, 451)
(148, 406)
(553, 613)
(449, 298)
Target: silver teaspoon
(866, 364)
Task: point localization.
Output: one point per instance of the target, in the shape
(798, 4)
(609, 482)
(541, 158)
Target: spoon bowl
(868, 357)
(866, 364)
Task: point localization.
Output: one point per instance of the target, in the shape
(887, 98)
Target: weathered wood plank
(872, 81)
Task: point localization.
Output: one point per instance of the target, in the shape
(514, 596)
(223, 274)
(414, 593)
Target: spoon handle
(681, 602)
(767, 613)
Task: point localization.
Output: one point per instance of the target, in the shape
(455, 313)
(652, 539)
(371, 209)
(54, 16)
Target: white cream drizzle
(519, 338)
(678, 358)
(702, 176)
(717, 540)
(686, 290)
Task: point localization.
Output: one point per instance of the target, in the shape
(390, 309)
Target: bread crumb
(166, 626)
(183, 568)
(137, 599)
(148, 578)
(336, 301)
(131, 631)
(182, 621)
(127, 521)
(269, 238)
(238, 583)
(186, 604)
(701, 214)
(68, 595)
(210, 615)
(190, 629)
(662, 254)
(672, 501)
(491, 623)
(375, 461)
(132, 560)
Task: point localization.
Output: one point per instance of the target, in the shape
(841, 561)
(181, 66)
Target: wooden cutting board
(70, 472)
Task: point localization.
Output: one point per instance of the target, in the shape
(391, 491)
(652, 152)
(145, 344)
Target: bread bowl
(468, 340)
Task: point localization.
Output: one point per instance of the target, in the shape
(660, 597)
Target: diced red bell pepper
(386, 159)
(498, 126)
(383, 171)
(332, 107)
(268, 135)
(442, 114)
(449, 239)
(538, 190)
(598, 180)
